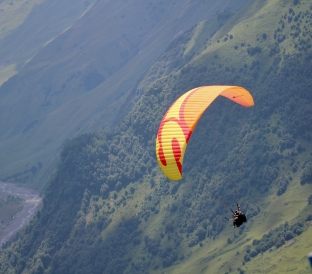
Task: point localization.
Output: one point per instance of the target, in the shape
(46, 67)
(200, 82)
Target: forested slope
(109, 209)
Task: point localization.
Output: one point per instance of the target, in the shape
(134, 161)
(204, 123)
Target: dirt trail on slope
(30, 202)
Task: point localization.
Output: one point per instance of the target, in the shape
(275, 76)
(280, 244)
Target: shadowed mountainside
(80, 81)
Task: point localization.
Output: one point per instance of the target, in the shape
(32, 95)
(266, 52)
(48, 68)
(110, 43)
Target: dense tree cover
(228, 159)
(275, 238)
(306, 175)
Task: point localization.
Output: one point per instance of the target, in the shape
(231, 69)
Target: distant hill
(26, 27)
(76, 76)
(109, 209)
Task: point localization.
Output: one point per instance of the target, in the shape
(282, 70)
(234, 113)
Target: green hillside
(109, 209)
(80, 79)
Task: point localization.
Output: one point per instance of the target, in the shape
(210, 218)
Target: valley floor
(17, 207)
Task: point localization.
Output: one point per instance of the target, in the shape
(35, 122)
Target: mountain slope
(27, 26)
(109, 209)
(78, 82)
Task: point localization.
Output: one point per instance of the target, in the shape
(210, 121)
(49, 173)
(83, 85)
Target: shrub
(310, 200)
(306, 175)
(282, 184)
(298, 230)
(254, 50)
(279, 242)
(287, 141)
(309, 217)
(255, 242)
(200, 233)
(288, 236)
(247, 258)
(253, 253)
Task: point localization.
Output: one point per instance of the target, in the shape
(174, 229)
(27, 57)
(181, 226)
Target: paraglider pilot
(238, 217)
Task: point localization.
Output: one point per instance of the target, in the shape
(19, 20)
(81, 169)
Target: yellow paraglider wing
(179, 122)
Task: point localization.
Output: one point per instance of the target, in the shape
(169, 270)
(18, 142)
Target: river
(30, 203)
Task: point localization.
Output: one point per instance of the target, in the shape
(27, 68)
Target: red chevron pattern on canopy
(180, 120)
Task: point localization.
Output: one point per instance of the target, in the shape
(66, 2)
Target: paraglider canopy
(178, 124)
